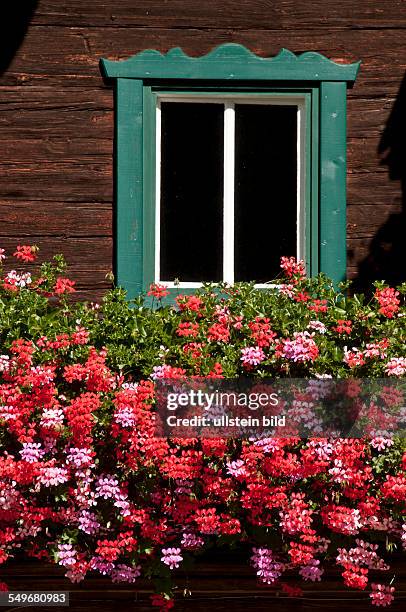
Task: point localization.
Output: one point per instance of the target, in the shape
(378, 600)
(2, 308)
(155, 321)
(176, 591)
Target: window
(228, 173)
(226, 162)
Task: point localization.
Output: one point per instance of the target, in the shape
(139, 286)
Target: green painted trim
(229, 62)
(313, 219)
(150, 73)
(223, 87)
(149, 147)
(308, 207)
(129, 185)
(222, 92)
(332, 212)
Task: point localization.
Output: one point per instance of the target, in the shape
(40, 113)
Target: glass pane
(191, 191)
(265, 189)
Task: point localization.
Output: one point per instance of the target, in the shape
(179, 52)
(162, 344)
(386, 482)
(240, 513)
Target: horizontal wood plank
(45, 98)
(53, 218)
(82, 254)
(365, 221)
(229, 13)
(373, 188)
(69, 181)
(55, 123)
(54, 148)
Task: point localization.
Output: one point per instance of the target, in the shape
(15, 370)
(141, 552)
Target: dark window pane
(265, 189)
(191, 191)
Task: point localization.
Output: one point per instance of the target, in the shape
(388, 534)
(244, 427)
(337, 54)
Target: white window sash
(229, 175)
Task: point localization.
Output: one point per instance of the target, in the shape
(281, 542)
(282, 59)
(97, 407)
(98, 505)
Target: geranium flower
(381, 594)
(396, 366)
(64, 285)
(158, 291)
(388, 301)
(252, 355)
(26, 253)
(171, 557)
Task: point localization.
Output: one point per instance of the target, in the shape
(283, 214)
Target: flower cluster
(49, 283)
(86, 481)
(388, 301)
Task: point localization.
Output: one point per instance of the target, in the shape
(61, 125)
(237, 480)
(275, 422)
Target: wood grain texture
(213, 585)
(88, 180)
(95, 251)
(52, 218)
(364, 221)
(57, 115)
(373, 189)
(265, 14)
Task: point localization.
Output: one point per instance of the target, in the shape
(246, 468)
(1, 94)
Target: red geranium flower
(64, 285)
(26, 252)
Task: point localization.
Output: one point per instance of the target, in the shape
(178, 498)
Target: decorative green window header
(230, 69)
(231, 62)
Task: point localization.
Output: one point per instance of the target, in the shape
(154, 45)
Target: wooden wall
(56, 115)
(212, 585)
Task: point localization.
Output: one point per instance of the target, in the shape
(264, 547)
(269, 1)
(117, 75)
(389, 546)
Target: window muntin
(288, 142)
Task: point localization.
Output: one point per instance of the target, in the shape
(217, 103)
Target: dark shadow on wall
(386, 259)
(15, 18)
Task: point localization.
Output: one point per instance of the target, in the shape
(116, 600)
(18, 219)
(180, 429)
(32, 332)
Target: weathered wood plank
(367, 117)
(81, 253)
(76, 180)
(56, 123)
(372, 188)
(365, 221)
(352, 272)
(44, 98)
(229, 13)
(54, 148)
(362, 156)
(50, 218)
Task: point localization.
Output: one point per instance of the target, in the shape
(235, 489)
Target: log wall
(212, 585)
(56, 115)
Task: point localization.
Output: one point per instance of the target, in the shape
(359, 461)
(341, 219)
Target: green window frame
(230, 69)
